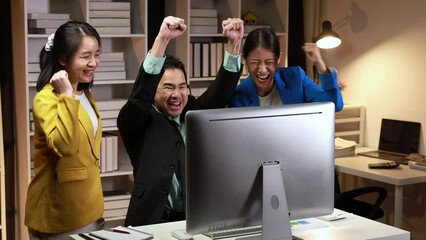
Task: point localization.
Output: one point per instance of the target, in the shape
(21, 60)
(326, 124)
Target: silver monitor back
(224, 152)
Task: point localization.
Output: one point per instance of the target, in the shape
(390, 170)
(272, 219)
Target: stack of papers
(344, 148)
(120, 232)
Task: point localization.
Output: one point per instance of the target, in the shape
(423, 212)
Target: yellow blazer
(66, 192)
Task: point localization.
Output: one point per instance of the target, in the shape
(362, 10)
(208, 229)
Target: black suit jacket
(155, 145)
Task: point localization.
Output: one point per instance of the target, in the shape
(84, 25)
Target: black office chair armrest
(351, 194)
(347, 201)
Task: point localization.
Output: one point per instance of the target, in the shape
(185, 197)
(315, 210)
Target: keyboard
(235, 232)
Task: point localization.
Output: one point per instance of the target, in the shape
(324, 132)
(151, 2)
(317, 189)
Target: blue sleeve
(328, 92)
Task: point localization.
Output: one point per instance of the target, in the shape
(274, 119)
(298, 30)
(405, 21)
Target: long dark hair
(66, 42)
(262, 37)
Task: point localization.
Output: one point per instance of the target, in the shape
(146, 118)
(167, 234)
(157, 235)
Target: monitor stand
(275, 217)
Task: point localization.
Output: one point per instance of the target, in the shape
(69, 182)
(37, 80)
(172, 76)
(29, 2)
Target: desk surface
(358, 165)
(399, 177)
(352, 227)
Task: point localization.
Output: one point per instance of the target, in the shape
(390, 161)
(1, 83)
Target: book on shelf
(109, 123)
(117, 203)
(111, 104)
(116, 6)
(110, 75)
(205, 60)
(109, 152)
(196, 56)
(46, 23)
(109, 14)
(112, 56)
(344, 148)
(116, 194)
(107, 114)
(103, 155)
(219, 55)
(113, 30)
(204, 21)
(198, 12)
(110, 63)
(103, 68)
(249, 28)
(110, 22)
(33, 77)
(33, 67)
(41, 30)
(212, 60)
(113, 213)
(203, 29)
(51, 16)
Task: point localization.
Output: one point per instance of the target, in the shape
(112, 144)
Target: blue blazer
(294, 86)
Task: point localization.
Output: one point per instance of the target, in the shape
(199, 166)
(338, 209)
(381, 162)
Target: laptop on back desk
(397, 140)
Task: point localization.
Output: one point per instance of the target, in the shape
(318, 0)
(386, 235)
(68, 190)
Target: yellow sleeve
(56, 116)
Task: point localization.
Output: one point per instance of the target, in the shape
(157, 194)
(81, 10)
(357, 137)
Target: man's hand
(233, 29)
(313, 53)
(61, 83)
(171, 28)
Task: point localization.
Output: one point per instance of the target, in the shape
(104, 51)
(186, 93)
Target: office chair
(347, 201)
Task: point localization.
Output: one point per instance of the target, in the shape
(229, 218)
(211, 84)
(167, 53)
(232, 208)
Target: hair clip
(49, 44)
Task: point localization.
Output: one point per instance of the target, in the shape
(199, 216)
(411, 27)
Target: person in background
(65, 195)
(152, 125)
(268, 84)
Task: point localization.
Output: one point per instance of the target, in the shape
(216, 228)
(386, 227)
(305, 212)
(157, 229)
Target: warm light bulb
(328, 42)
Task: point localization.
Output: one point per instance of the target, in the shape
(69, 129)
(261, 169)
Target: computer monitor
(225, 150)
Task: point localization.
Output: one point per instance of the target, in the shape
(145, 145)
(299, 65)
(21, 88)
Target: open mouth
(263, 78)
(174, 105)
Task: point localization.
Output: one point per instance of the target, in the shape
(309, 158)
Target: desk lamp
(327, 38)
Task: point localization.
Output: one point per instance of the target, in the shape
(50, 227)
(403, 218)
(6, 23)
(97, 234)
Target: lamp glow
(328, 42)
(327, 38)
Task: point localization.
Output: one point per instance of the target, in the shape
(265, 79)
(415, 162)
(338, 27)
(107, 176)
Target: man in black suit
(152, 125)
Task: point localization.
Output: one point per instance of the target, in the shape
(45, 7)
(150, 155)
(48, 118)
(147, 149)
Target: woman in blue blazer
(269, 84)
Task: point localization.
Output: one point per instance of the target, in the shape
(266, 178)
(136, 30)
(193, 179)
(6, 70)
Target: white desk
(350, 228)
(403, 175)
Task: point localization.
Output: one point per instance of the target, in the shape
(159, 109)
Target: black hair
(173, 63)
(66, 42)
(262, 37)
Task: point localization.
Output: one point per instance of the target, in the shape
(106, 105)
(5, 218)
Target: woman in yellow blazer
(65, 196)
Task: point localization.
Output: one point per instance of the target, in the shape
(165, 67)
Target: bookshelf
(273, 13)
(350, 124)
(2, 182)
(123, 27)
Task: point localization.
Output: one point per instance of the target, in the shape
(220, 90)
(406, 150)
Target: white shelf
(350, 122)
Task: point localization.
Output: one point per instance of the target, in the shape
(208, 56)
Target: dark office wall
(7, 99)
(155, 18)
(296, 36)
